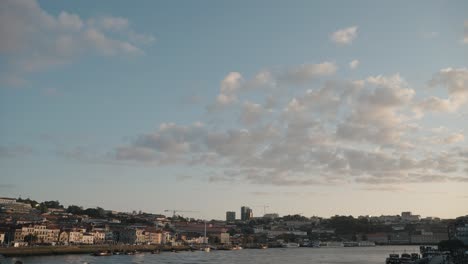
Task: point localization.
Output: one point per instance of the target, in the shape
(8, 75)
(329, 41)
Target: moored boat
(366, 244)
(102, 253)
(290, 245)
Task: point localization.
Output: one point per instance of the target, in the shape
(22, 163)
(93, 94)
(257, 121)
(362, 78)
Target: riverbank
(84, 249)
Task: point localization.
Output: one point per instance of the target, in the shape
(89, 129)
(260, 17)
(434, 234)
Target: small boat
(102, 253)
(263, 247)
(236, 247)
(156, 251)
(350, 244)
(290, 245)
(331, 244)
(206, 249)
(367, 244)
(405, 258)
(131, 252)
(393, 259)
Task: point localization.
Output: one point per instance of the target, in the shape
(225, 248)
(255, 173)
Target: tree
(450, 245)
(75, 209)
(53, 204)
(42, 208)
(30, 238)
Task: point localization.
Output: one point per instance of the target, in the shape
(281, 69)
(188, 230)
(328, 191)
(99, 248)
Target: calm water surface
(268, 256)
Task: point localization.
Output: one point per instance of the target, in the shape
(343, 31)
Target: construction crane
(175, 211)
(264, 208)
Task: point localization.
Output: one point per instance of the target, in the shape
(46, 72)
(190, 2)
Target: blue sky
(320, 108)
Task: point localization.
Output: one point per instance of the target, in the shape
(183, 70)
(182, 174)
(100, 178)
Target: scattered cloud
(354, 64)
(33, 40)
(456, 83)
(344, 36)
(334, 132)
(454, 138)
(234, 83)
(307, 72)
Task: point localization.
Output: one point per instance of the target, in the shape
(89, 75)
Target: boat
(393, 259)
(405, 258)
(205, 246)
(236, 247)
(366, 244)
(290, 245)
(351, 244)
(331, 244)
(263, 247)
(207, 249)
(156, 251)
(102, 253)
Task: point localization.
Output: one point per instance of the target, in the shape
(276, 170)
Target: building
(99, 237)
(87, 239)
(2, 238)
(402, 238)
(408, 217)
(75, 237)
(428, 238)
(271, 215)
(461, 233)
(5, 200)
(133, 236)
(42, 234)
(154, 237)
(230, 216)
(64, 238)
(246, 213)
(17, 208)
(378, 238)
(224, 238)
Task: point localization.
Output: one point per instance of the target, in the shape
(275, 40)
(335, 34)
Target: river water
(357, 255)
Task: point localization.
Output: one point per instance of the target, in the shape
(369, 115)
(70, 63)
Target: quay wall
(82, 249)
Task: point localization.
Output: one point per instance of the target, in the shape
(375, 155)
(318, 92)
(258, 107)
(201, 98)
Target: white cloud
(33, 40)
(113, 23)
(251, 114)
(231, 83)
(456, 83)
(344, 36)
(234, 83)
(334, 132)
(307, 72)
(454, 138)
(354, 64)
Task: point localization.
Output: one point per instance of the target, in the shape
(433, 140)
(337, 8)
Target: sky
(310, 107)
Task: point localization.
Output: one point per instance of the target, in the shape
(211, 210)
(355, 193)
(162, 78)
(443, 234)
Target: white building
(87, 239)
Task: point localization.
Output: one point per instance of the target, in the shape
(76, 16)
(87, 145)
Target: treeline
(345, 225)
(97, 212)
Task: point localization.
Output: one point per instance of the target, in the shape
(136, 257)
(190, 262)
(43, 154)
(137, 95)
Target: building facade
(230, 216)
(246, 213)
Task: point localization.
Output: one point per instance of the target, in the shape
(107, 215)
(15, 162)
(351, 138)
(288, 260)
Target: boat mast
(204, 238)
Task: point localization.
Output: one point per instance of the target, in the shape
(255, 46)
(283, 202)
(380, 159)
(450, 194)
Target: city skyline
(307, 107)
